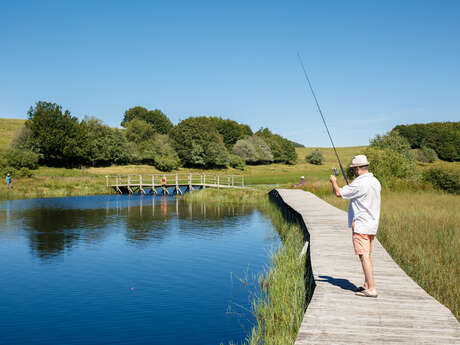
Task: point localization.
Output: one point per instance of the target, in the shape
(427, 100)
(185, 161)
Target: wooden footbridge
(171, 183)
(403, 313)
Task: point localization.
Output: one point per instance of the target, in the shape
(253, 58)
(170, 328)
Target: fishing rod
(321, 113)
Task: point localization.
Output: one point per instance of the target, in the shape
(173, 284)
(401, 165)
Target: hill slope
(8, 128)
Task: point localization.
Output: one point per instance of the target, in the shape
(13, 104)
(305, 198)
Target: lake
(123, 269)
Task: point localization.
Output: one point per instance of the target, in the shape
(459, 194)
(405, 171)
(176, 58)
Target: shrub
(14, 173)
(425, 155)
(389, 165)
(236, 162)
(18, 159)
(316, 157)
(394, 141)
(448, 180)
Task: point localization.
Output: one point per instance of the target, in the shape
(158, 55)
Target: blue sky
(373, 64)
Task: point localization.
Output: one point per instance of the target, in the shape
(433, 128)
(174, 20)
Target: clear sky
(373, 64)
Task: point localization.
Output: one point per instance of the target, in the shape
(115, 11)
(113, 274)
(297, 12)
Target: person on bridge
(363, 217)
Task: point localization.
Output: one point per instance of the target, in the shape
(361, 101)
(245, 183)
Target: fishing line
(321, 113)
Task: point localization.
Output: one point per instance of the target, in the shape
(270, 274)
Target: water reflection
(54, 226)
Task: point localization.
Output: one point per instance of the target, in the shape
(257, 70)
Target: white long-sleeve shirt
(364, 208)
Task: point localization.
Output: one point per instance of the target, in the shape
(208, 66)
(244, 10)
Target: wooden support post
(242, 181)
(218, 181)
(141, 189)
(232, 181)
(204, 183)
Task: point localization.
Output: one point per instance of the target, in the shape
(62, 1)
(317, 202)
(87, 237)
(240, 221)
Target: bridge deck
(403, 313)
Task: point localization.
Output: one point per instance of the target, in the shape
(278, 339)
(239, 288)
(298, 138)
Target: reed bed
(49, 186)
(280, 303)
(280, 307)
(421, 232)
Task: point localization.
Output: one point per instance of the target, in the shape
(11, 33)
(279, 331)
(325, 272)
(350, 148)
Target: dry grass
(8, 128)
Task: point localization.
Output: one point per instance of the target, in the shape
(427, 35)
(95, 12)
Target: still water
(128, 270)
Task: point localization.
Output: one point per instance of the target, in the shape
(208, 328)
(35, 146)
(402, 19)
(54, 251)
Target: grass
(280, 307)
(8, 128)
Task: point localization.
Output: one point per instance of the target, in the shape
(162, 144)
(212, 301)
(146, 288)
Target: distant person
(363, 217)
(301, 183)
(8, 181)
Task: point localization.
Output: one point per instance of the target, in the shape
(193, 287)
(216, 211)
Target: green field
(8, 128)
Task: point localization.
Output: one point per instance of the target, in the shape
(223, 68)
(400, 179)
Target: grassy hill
(8, 128)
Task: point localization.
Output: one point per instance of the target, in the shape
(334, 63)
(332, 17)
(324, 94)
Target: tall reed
(280, 303)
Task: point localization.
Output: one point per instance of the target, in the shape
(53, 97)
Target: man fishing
(363, 217)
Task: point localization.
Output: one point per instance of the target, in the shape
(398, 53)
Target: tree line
(442, 137)
(52, 136)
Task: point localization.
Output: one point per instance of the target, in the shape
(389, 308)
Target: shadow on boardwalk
(340, 282)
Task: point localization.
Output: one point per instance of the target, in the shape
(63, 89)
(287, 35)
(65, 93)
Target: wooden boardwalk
(403, 313)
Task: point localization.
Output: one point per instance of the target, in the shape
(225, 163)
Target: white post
(107, 180)
(218, 181)
(232, 181)
(242, 181)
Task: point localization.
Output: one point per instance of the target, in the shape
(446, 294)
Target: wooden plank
(403, 313)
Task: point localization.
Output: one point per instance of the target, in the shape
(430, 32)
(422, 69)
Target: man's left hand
(332, 179)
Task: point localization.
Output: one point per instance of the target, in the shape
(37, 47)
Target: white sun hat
(359, 161)
(302, 177)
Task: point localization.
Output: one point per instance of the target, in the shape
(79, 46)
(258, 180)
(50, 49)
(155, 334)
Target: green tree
(137, 112)
(282, 149)
(56, 135)
(159, 121)
(198, 143)
(139, 131)
(160, 152)
(254, 150)
(230, 130)
(443, 137)
(104, 145)
(156, 118)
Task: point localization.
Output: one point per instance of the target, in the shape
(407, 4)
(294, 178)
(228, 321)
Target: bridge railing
(184, 179)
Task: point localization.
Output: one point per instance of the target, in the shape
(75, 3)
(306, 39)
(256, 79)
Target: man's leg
(368, 270)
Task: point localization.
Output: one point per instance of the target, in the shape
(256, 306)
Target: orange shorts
(363, 243)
